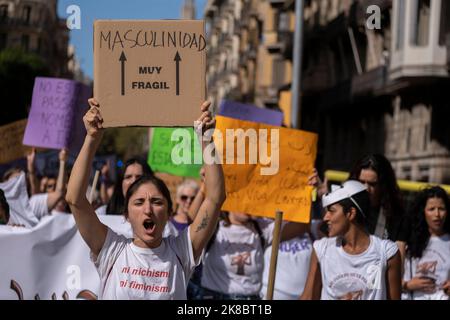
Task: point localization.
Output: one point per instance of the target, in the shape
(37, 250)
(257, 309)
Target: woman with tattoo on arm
(147, 266)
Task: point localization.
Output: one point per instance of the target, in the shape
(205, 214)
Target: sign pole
(274, 255)
(94, 184)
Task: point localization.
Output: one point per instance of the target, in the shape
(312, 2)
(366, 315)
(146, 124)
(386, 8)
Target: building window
(426, 137)
(408, 139)
(424, 171)
(26, 14)
(3, 40)
(421, 23)
(444, 28)
(3, 12)
(406, 173)
(400, 24)
(283, 21)
(278, 72)
(25, 42)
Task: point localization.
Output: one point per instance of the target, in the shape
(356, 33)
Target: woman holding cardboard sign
(147, 266)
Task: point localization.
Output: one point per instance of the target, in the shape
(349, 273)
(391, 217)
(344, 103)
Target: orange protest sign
(11, 136)
(266, 168)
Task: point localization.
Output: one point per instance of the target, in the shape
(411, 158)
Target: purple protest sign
(56, 112)
(248, 112)
(79, 131)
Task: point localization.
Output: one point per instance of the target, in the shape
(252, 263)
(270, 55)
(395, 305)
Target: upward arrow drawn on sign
(177, 60)
(122, 59)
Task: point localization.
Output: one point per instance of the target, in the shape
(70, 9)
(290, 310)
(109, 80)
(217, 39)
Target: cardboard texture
(149, 72)
(55, 119)
(11, 147)
(261, 195)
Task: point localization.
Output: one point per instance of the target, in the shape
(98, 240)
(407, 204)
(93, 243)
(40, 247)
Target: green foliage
(125, 142)
(17, 72)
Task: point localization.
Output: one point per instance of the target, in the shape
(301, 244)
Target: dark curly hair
(420, 235)
(116, 203)
(4, 205)
(391, 200)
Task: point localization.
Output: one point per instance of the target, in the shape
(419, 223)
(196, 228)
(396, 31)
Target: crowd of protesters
(367, 244)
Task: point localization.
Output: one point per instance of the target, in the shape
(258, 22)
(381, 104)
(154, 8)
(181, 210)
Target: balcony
(370, 82)
(277, 3)
(416, 47)
(16, 22)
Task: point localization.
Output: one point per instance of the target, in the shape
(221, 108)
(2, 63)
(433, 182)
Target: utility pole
(297, 72)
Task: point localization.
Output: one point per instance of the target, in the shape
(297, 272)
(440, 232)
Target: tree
(125, 142)
(17, 72)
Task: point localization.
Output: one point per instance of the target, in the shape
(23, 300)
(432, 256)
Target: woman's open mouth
(149, 225)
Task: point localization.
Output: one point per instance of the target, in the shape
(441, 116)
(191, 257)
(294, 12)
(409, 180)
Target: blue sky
(116, 9)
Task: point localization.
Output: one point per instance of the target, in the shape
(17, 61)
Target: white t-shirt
(39, 206)
(101, 211)
(20, 212)
(354, 277)
(234, 262)
(130, 272)
(434, 263)
(292, 268)
(170, 230)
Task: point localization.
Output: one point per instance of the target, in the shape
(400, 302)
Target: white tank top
(354, 277)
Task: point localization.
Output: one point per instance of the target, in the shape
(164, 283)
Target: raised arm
(198, 200)
(393, 278)
(205, 222)
(90, 227)
(313, 286)
(60, 190)
(34, 184)
(103, 180)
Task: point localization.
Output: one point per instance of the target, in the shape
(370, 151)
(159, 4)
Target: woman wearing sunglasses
(186, 193)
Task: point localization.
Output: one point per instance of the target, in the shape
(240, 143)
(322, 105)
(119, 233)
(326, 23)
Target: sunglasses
(185, 197)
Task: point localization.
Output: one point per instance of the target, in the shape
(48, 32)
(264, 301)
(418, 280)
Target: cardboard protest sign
(250, 112)
(175, 151)
(268, 173)
(57, 109)
(11, 136)
(149, 72)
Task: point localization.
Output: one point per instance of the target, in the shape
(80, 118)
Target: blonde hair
(189, 183)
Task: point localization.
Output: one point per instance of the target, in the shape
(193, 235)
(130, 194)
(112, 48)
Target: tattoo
(204, 222)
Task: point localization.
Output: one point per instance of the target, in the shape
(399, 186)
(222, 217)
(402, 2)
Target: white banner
(51, 260)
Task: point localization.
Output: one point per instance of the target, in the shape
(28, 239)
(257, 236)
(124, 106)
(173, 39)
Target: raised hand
(205, 121)
(30, 160)
(63, 155)
(93, 120)
(314, 180)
